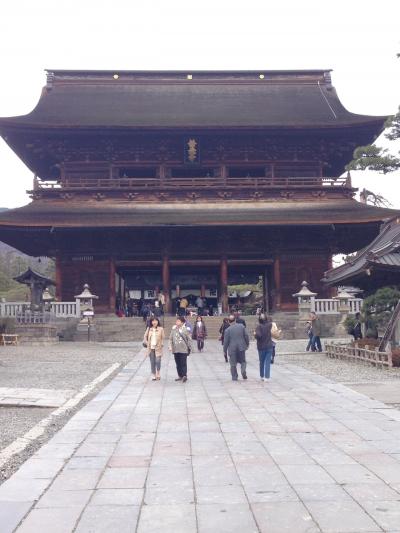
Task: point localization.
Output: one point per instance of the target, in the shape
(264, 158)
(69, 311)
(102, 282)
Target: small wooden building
(189, 182)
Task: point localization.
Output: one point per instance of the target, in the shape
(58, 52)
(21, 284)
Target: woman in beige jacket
(154, 341)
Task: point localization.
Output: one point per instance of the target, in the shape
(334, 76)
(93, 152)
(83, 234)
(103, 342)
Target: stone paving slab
(299, 453)
(26, 397)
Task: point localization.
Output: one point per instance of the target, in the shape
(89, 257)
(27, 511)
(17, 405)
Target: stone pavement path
(297, 454)
(11, 396)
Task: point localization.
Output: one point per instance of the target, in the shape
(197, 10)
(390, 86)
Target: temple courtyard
(314, 449)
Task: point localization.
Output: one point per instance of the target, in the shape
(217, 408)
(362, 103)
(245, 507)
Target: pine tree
(373, 157)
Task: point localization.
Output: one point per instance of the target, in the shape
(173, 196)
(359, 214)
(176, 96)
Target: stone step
(112, 328)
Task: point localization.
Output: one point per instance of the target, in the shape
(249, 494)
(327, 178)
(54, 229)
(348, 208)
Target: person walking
(356, 329)
(199, 332)
(265, 346)
(309, 335)
(316, 330)
(154, 340)
(180, 345)
(236, 342)
(182, 306)
(222, 329)
(200, 306)
(239, 319)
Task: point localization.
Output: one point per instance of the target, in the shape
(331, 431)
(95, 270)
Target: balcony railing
(197, 182)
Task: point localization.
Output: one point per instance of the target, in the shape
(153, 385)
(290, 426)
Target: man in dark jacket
(236, 342)
(239, 319)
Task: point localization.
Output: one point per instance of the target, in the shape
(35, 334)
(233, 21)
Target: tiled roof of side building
(384, 250)
(205, 99)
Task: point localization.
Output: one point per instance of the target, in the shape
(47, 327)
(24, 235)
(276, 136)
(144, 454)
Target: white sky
(358, 40)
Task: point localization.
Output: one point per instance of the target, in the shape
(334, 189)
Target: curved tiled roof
(118, 213)
(384, 252)
(209, 99)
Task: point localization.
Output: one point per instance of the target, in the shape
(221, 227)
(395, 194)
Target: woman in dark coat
(225, 325)
(265, 346)
(199, 332)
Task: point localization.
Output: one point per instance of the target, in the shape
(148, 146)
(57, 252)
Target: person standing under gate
(180, 345)
(236, 342)
(265, 346)
(199, 332)
(154, 340)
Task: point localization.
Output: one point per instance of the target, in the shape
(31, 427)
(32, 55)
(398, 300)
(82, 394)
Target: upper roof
(383, 252)
(190, 99)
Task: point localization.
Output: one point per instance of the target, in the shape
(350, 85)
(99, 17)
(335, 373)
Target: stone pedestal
(37, 334)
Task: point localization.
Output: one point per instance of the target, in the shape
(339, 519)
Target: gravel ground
(339, 370)
(62, 366)
(16, 421)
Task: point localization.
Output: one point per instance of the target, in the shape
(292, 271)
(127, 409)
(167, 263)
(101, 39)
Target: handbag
(275, 332)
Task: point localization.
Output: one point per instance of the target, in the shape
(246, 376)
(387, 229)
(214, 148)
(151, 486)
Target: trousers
(155, 362)
(235, 357)
(200, 344)
(181, 364)
(316, 344)
(265, 357)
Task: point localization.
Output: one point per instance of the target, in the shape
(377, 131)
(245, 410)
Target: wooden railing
(185, 183)
(329, 306)
(66, 309)
(363, 355)
(57, 309)
(11, 309)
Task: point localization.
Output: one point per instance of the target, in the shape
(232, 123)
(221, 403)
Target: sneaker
(153, 378)
(244, 376)
(184, 379)
(178, 379)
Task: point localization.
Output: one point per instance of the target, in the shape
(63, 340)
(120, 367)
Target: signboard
(88, 313)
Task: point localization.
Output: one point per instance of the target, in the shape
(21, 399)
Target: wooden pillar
(166, 281)
(203, 291)
(112, 294)
(265, 291)
(58, 279)
(224, 284)
(277, 280)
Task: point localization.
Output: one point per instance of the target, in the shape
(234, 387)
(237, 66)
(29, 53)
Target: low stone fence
(363, 355)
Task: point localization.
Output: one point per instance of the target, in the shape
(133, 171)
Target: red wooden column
(58, 279)
(224, 283)
(112, 294)
(166, 281)
(277, 280)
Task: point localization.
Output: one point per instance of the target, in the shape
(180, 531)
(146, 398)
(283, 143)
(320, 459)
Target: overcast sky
(358, 40)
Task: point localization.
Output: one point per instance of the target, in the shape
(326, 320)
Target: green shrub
(378, 308)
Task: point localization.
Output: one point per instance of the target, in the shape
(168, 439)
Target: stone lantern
(47, 298)
(305, 299)
(343, 298)
(85, 299)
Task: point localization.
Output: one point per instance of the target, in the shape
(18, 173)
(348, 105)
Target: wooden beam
(58, 279)
(277, 280)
